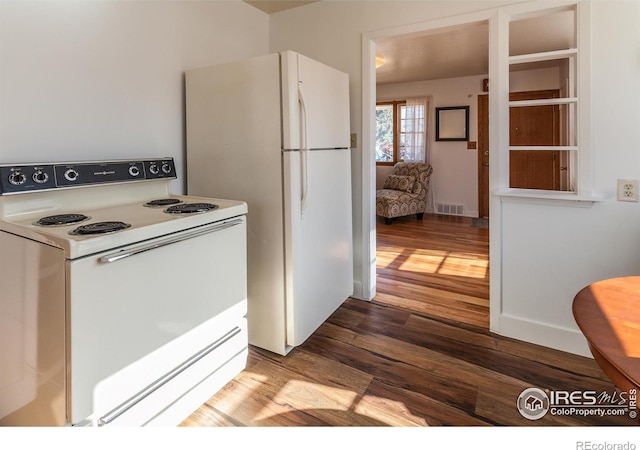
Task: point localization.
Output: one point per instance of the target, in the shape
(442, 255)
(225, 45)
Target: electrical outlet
(628, 190)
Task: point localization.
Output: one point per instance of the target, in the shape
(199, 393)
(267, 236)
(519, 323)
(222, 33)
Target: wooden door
(534, 125)
(483, 155)
(529, 169)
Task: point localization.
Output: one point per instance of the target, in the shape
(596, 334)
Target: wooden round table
(608, 314)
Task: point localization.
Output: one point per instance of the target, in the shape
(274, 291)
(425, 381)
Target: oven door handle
(160, 382)
(122, 254)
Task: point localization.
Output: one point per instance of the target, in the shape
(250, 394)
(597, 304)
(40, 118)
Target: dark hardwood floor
(420, 354)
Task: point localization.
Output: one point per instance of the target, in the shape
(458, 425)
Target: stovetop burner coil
(189, 208)
(163, 202)
(61, 219)
(100, 228)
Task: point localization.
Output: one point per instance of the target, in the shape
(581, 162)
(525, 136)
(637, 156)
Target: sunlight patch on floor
(316, 399)
(309, 396)
(388, 411)
(439, 262)
(463, 266)
(303, 395)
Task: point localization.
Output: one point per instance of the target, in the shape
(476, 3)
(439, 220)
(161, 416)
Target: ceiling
(450, 53)
(273, 7)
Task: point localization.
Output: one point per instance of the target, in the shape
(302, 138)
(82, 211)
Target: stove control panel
(18, 178)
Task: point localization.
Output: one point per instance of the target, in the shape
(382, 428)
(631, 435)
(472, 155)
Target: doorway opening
(427, 265)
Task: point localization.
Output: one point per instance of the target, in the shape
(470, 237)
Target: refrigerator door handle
(303, 152)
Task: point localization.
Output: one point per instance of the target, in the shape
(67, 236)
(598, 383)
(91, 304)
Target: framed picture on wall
(452, 123)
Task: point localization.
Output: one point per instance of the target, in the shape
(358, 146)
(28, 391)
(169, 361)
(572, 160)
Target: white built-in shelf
(544, 56)
(544, 147)
(547, 197)
(544, 101)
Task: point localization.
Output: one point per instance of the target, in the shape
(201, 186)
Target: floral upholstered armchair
(404, 191)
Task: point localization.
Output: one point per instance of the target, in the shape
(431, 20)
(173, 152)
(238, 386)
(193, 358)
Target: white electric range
(122, 303)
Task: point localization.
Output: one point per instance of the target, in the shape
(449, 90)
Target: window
(390, 132)
(413, 133)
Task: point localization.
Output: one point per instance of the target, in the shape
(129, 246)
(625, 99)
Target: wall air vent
(451, 210)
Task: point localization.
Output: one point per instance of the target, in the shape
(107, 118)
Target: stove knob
(166, 168)
(40, 176)
(71, 175)
(153, 168)
(134, 171)
(17, 178)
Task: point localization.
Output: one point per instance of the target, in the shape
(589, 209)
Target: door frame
(368, 164)
(483, 150)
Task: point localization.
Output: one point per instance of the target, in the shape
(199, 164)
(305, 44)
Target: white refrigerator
(274, 131)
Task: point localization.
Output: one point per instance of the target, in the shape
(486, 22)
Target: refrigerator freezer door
(315, 104)
(318, 242)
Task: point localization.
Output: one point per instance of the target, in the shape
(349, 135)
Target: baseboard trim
(547, 335)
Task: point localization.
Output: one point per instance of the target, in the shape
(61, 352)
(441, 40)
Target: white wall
(535, 80)
(548, 252)
(103, 79)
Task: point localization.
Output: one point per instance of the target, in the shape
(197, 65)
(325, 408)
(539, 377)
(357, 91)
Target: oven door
(150, 321)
